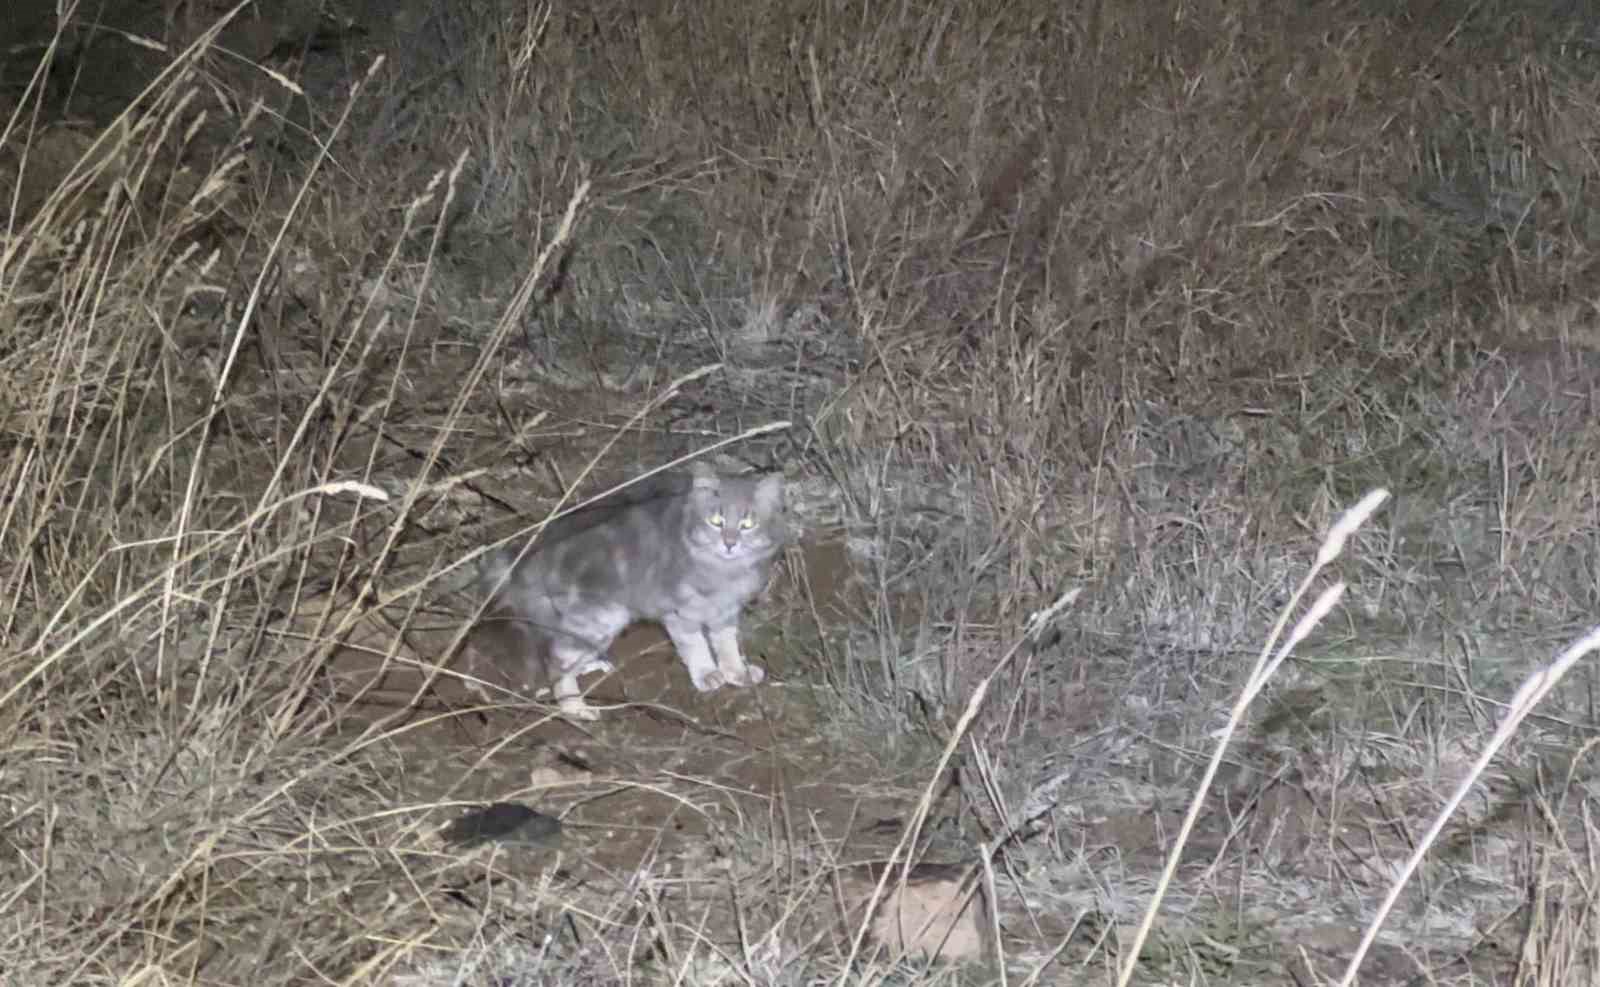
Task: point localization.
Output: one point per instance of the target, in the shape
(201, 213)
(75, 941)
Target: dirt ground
(665, 763)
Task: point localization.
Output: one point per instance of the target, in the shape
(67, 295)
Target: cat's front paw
(745, 675)
(574, 708)
(709, 680)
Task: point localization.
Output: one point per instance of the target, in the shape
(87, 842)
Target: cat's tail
(494, 571)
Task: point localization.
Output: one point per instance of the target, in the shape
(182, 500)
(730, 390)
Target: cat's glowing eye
(715, 520)
(747, 524)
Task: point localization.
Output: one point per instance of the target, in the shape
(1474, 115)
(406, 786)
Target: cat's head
(735, 517)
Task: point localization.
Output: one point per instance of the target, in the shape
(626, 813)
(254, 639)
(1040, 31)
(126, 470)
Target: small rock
(510, 823)
(936, 911)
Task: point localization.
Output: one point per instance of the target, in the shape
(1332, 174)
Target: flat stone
(509, 823)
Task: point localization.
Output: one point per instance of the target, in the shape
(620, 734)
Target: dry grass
(1121, 306)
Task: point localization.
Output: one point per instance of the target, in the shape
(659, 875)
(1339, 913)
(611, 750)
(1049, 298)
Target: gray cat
(688, 552)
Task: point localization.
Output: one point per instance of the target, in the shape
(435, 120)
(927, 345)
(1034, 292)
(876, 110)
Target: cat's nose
(730, 538)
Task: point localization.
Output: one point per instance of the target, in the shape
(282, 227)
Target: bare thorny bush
(1073, 297)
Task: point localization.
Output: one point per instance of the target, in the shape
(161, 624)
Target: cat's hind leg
(689, 638)
(503, 651)
(571, 659)
(578, 647)
(569, 699)
(731, 663)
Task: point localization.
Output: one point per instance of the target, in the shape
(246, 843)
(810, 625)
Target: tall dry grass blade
(100, 151)
(908, 838)
(1267, 663)
(192, 495)
(1529, 695)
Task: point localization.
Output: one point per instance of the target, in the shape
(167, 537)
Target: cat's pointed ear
(705, 475)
